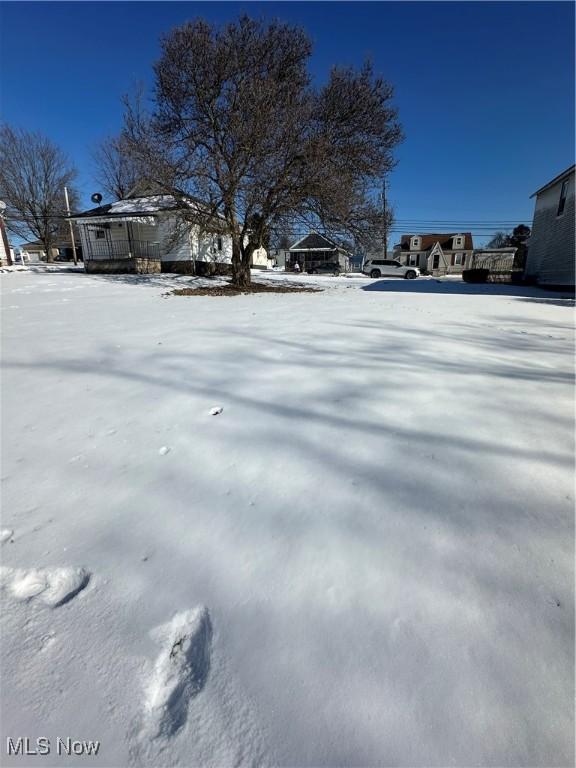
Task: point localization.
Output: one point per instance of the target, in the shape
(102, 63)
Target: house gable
(314, 241)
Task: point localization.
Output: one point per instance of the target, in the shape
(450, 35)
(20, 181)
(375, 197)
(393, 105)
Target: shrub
(475, 275)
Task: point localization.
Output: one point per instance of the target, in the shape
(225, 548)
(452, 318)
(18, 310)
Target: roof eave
(555, 180)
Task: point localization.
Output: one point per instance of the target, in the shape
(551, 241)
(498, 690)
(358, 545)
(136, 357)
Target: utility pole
(384, 218)
(71, 226)
(5, 243)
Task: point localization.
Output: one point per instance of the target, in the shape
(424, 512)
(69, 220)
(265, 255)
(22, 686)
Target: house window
(415, 242)
(413, 259)
(219, 244)
(459, 258)
(100, 234)
(563, 196)
(458, 241)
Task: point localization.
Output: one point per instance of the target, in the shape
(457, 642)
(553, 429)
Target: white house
(145, 233)
(551, 255)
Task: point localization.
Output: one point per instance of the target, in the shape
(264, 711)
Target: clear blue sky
(485, 91)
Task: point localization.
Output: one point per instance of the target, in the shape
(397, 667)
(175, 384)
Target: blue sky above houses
(485, 91)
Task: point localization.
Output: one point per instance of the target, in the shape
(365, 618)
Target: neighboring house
(313, 250)
(495, 259)
(437, 254)
(146, 233)
(551, 256)
(280, 256)
(261, 259)
(34, 252)
(356, 262)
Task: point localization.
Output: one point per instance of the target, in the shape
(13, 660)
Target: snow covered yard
(364, 557)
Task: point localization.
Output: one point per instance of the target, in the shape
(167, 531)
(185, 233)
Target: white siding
(208, 248)
(175, 248)
(260, 258)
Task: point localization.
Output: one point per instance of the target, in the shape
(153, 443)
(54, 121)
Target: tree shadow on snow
(452, 286)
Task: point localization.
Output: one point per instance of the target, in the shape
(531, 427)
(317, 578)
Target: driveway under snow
(363, 557)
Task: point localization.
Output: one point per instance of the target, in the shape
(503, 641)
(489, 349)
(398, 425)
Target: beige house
(436, 254)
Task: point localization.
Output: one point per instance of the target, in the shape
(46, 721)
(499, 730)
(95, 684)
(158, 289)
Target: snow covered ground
(317, 529)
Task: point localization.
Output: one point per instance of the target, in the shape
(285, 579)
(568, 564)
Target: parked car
(328, 268)
(389, 268)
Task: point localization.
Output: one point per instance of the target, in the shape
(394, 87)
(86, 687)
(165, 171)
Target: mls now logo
(42, 746)
(72, 747)
(25, 746)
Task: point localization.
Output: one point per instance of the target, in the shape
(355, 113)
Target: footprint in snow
(5, 535)
(53, 586)
(164, 450)
(180, 671)
(216, 410)
(46, 641)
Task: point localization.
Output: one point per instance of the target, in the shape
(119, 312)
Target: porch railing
(122, 249)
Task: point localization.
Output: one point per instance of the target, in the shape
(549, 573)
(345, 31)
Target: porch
(119, 247)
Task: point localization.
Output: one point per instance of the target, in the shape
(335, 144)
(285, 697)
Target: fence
(122, 249)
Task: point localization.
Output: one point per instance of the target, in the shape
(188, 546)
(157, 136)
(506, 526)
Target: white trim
(437, 248)
(305, 250)
(100, 220)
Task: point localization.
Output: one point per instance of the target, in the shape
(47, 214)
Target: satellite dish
(96, 198)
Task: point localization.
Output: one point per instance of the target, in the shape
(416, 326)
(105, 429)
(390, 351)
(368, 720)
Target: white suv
(389, 268)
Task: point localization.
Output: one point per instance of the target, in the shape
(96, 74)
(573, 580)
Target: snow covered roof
(147, 205)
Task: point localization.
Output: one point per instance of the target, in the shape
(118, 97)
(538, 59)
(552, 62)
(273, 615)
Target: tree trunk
(240, 264)
(47, 243)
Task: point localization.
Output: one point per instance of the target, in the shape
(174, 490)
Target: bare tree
(498, 240)
(116, 172)
(517, 239)
(33, 174)
(237, 124)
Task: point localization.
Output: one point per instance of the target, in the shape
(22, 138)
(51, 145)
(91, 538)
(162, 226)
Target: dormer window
(458, 242)
(415, 242)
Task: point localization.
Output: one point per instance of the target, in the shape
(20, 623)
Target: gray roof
(316, 242)
(555, 180)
